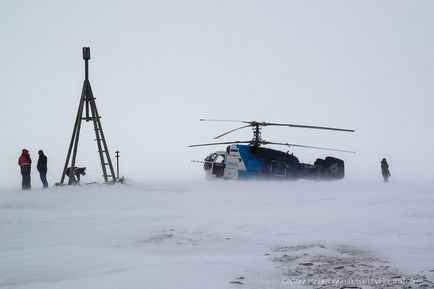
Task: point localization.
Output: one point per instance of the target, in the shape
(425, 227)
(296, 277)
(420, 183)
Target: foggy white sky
(159, 66)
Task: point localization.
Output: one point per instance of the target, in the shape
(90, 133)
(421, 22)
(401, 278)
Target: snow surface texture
(218, 235)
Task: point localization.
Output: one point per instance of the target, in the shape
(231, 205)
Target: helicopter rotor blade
(252, 123)
(310, 147)
(219, 136)
(217, 143)
(227, 120)
(310, 126)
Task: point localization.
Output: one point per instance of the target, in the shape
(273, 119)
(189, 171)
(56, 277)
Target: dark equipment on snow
(247, 159)
(117, 165)
(87, 103)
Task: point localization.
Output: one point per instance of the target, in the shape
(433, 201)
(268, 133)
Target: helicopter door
(233, 164)
(278, 169)
(219, 165)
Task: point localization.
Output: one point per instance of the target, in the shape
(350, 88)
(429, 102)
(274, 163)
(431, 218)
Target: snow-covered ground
(216, 235)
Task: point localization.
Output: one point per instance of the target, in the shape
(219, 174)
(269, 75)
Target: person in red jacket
(25, 163)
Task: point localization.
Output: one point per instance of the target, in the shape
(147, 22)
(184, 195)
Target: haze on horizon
(158, 66)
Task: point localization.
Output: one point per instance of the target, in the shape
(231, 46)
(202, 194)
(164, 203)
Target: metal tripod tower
(87, 103)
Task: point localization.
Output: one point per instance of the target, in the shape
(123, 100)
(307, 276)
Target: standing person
(385, 170)
(25, 162)
(42, 168)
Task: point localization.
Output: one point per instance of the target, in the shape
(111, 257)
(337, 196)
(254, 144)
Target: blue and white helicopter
(249, 160)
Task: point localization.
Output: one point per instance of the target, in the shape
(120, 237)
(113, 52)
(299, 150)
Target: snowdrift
(217, 235)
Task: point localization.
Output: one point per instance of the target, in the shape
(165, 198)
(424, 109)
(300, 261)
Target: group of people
(25, 163)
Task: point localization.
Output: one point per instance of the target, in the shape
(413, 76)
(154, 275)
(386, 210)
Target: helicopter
(250, 160)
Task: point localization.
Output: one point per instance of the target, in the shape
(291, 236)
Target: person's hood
(25, 152)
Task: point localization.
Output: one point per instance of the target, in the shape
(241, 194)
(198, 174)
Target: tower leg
(100, 139)
(97, 130)
(75, 136)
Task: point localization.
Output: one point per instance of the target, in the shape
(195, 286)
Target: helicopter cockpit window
(211, 158)
(208, 161)
(220, 159)
(218, 167)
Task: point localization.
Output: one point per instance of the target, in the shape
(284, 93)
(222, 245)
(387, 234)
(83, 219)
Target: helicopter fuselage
(252, 162)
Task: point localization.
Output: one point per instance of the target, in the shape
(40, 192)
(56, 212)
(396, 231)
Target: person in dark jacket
(385, 170)
(42, 168)
(25, 162)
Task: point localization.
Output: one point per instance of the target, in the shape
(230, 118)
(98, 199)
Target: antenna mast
(87, 102)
